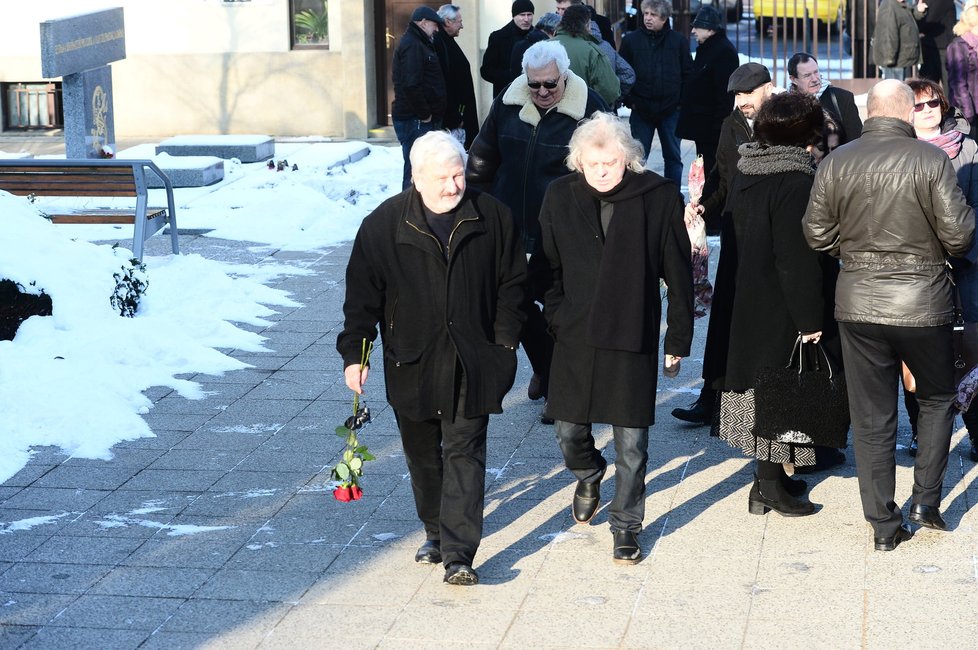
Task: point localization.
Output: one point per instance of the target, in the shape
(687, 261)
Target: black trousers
(872, 355)
(447, 462)
(627, 509)
(534, 337)
(933, 65)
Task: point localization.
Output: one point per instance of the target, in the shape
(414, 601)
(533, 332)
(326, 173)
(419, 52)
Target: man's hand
(814, 337)
(356, 377)
(670, 365)
(692, 213)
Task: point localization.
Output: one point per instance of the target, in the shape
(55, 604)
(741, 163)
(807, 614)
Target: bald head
(890, 98)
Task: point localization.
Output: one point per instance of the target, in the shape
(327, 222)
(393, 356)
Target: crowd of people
(841, 242)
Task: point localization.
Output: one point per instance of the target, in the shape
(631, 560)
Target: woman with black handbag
(782, 300)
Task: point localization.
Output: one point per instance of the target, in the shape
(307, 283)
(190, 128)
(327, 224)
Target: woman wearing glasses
(935, 121)
(610, 231)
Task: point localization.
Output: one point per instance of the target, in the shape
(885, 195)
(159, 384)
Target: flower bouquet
(696, 228)
(349, 470)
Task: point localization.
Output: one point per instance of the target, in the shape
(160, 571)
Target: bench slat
(103, 216)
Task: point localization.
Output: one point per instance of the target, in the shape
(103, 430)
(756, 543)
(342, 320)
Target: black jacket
(592, 382)
(460, 109)
(842, 104)
(516, 58)
(734, 131)
(518, 152)
(495, 62)
(889, 206)
(705, 101)
(662, 63)
(437, 315)
(419, 85)
(937, 24)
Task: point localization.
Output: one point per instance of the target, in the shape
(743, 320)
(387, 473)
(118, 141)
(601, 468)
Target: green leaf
(342, 471)
(342, 431)
(367, 455)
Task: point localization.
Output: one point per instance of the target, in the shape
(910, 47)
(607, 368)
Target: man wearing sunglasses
(889, 206)
(520, 149)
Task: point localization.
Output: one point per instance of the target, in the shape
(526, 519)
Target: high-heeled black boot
(770, 494)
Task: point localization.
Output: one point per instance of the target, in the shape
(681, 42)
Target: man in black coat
(840, 104)
(419, 85)
(440, 269)
(662, 63)
(545, 28)
(751, 86)
(495, 62)
(936, 25)
(520, 149)
(705, 100)
(460, 110)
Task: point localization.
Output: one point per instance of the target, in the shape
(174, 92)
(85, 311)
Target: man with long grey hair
(520, 149)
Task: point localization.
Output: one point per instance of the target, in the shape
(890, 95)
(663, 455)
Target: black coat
(600, 384)
(937, 24)
(516, 57)
(705, 100)
(842, 104)
(662, 63)
(419, 85)
(518, 152)
(437, 315)
(495, 62)
(460, 108)
(781, 286)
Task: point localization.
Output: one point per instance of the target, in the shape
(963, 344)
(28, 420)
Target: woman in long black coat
(783, 289)
(610, 232)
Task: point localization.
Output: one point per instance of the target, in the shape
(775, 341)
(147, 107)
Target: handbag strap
(796, 348)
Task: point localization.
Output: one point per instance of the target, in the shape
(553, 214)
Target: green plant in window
(317, 24)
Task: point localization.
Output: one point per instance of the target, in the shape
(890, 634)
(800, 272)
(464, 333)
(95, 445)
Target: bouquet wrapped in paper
(696, 228)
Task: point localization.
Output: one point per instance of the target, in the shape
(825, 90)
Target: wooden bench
(95, 178)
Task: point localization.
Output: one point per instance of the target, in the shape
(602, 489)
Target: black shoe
(461, 574)
(544, 418)
(771, 495)
(927, 516)
(889, 543)
(793, 486)
(627, 550)
(587, 497)
(429, 553)
(825, 458)
(537, 388)
(697, 413)
(912, 449)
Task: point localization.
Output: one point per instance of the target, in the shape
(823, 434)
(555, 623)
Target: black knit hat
(522, 7)
(708, 18)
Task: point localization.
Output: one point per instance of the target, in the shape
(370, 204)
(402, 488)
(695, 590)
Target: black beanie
(522, 7)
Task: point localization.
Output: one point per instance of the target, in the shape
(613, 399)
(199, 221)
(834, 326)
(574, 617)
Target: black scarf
(620, 310)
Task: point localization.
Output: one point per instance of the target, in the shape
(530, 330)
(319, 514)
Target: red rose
(343, 493)
(355, 492)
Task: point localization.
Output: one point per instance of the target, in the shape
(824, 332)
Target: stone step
(246, 148)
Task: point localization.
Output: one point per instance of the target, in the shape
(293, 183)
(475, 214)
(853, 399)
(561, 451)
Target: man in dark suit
(461, 114)
(841, 104)
(495, 62)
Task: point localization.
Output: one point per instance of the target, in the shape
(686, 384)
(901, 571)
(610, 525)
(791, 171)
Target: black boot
(769, 494)
(793, 486)
(700, 411)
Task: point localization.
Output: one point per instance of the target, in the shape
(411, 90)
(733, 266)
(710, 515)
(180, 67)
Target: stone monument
(78, 49)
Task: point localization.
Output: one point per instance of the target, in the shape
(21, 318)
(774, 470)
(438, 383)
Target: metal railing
(33, 106)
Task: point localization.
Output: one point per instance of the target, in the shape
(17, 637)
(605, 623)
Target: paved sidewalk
(220, 532)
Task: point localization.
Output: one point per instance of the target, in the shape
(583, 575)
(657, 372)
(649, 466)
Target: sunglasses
(932, 103)
(549, 85)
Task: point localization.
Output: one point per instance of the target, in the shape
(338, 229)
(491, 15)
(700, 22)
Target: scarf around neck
(758, 160)
(949, 141)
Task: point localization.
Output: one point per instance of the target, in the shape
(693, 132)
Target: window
(310, 24)
(32, 105)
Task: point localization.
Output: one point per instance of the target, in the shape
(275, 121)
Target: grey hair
(436, 147)
(548, 22)
(449, 12)
(890, 98)
(542, 54)
(605, 131)
(660, 8)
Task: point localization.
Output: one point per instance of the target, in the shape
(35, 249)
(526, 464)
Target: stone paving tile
(270, 556)
(28, 475)
(238, 584)
(214, 616)
(55, 499)
(78, 476)
(14, 548)
(174, 479)
(51, 577)
(84, 550)
(192, 459)
(12, 636)
(80, 637)
(237, 639)
(24, 608)
(151, 581)
(118, 612)
(305, 626)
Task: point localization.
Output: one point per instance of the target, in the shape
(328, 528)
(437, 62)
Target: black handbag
(804, 402)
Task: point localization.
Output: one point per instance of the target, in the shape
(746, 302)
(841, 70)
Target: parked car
(823, 14)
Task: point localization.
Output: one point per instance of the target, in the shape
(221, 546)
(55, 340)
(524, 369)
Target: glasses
(549, 85)
(930, 103)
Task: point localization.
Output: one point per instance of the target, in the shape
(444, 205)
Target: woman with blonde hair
(962, 65)
(610, 231)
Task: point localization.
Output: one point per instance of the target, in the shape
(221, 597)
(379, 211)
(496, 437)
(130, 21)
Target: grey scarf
(758, 159)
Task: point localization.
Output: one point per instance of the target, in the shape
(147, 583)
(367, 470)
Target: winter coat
(662, 63)
(518, 151)
(962, 75)
(436, 315)
(495, 62)
(516, 57)
(460, 108)
(624, 72)
(705, 100)
(842, 106)
(419, 85)
(781, 286)
(590, 64)
(890, 208)
(605, 383)
(936, 25)
(896, 41)
(734, 131)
